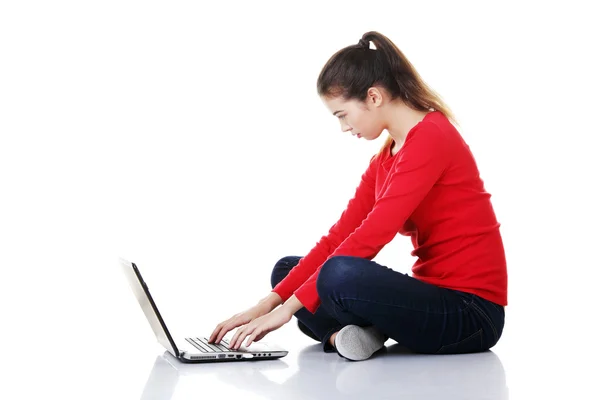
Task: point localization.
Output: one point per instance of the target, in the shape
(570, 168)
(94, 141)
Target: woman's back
(454, 228)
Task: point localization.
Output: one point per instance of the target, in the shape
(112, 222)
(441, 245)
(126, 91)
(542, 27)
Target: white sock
(357, 343)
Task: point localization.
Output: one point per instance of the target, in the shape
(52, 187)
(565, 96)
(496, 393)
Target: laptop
(192, 349)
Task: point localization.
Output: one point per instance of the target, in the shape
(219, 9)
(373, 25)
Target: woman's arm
(356, 211)
(272, 301)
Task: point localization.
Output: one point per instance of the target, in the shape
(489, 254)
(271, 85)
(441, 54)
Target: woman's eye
(342, 117)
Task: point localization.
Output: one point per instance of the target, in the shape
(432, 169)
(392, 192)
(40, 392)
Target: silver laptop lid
(142, 293)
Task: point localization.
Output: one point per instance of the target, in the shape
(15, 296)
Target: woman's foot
(332, 339)
(357, 343)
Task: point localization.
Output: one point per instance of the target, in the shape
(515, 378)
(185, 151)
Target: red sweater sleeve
(415, 169)
(356, 210)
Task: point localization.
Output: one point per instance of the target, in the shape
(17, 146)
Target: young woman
(424, 183)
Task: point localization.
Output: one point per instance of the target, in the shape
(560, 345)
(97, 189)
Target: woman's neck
(400, 120)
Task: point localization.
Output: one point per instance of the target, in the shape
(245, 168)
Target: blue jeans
(419, 316)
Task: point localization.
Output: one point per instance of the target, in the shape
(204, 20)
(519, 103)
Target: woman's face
(359, 118)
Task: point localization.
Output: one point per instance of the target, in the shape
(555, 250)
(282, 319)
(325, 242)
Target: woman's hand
(239, 320)
(258, 328)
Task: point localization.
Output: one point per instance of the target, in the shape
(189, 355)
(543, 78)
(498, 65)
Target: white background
(190, 139)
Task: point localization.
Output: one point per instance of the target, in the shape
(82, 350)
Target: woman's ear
(374, 97)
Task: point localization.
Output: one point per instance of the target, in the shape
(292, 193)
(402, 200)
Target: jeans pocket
(471, 344)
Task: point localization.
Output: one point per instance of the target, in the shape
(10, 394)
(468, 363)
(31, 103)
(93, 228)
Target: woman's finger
(250, 328)
(218, 330)
(224, 330)
(228, 326)
(241, 338)
(256, 332)
(215, 333)
(234, 341)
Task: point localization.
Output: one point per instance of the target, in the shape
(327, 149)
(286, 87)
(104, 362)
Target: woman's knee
(282, 268)
(335, 273)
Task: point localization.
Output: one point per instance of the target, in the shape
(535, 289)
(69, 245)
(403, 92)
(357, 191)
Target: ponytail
(351, 71)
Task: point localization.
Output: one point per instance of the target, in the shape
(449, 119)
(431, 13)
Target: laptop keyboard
(205, 347)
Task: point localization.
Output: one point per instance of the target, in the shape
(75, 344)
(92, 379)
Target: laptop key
(211, 346)
(223, 341)
(205, 346)
(197, 345)
(221, 347)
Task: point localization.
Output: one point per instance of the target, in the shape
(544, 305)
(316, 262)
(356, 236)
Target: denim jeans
(419, 316)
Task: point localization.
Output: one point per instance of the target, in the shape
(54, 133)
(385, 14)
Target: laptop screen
(140, 289)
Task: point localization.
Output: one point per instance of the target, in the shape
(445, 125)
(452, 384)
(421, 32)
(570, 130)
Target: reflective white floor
(392, 373)
(119, 358)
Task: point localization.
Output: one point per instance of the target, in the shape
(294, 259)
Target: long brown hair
(351, 71)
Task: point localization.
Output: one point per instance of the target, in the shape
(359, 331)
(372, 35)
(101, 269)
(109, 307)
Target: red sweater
(431, 191)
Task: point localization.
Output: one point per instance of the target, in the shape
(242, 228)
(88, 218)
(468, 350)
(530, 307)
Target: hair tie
(364, 43)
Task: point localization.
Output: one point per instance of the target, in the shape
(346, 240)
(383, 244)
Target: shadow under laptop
(392, 372)
(165, 377)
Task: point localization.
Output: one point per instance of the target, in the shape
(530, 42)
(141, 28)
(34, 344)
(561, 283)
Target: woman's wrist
(272, 301)
(292, 305)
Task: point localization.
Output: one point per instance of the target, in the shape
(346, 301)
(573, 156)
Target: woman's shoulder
(437, 121)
